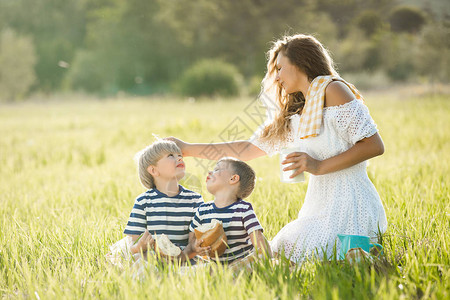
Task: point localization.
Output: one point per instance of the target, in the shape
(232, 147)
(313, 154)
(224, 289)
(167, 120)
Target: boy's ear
(234, 179)
(152, 170)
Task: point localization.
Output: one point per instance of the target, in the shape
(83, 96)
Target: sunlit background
(147, 47)
(84, 84)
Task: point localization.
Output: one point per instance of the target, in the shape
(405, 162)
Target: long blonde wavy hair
(310, 57)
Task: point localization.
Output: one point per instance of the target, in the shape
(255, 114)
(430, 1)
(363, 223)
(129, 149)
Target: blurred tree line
(153, 46)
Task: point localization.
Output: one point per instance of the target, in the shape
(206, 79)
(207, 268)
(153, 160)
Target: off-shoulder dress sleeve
(269, 147)
(354, 122)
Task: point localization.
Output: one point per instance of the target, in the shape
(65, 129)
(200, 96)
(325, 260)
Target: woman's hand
(182, 145)
(301, 162)
(361, 151)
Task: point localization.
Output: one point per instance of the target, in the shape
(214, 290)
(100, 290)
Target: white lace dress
(340, 202)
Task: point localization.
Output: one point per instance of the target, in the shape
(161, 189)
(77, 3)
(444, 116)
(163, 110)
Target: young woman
(324, 115)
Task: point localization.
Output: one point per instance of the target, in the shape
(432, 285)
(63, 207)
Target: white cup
(284, 175)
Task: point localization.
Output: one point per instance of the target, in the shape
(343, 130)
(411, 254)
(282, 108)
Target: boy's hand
(146, 241)
(260, 243)
(202, 251)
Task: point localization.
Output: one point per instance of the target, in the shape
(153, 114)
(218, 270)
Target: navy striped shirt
(159, 213)
(238, 221)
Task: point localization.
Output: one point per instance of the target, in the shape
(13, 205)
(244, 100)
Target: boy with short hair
(230, 182)
(165, 208)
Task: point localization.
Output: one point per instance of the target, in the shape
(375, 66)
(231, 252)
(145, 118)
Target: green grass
(68, 182)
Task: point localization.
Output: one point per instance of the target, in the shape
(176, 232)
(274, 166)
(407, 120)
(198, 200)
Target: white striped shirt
(238, 221)
(159, 213)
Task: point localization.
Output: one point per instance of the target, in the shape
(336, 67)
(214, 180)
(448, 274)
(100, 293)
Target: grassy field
(68, 182)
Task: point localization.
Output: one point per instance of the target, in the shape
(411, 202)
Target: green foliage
(343, 13)
(353, 54)
(356, 53)
(397, 59)
(254, 86)
(433, 52)
(57, 29)
(129, 49)
(240, 32)
(142, 46)
(17, 60)
(87, 73)
(69, 182)
(210, 78)
(369, 80)
(407, 19)
(369, 22)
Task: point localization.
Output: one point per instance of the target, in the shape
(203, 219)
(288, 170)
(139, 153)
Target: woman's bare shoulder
(337, 93)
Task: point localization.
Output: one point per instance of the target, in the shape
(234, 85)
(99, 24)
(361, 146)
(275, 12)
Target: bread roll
(219, 246)
(165, 247)
(212, 235)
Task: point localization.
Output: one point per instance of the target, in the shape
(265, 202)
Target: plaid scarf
(311, 117)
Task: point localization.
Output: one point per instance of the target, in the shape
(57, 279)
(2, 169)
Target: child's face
(218, 178)
(171, 165)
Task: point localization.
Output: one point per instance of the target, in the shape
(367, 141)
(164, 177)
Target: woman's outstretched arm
(243, 150)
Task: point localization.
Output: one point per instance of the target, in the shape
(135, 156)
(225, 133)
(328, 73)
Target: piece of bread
(212, 235)
(219, 246)
(165, 247)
